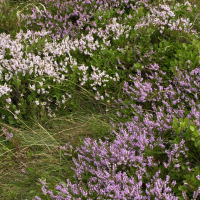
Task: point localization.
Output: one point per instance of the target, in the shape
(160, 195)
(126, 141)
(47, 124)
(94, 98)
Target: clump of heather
(144, 161)
(97, 67)
(156, 152)
(67, 18)
(32, 64)
(7, 134)
(136, 165)
(38, 69)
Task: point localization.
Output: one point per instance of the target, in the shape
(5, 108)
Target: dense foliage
(140, 58)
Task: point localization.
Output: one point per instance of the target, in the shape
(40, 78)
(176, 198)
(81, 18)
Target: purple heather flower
(9, 136)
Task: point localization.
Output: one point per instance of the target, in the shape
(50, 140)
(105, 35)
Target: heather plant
(68, 17)
(99, 155)
(132, 166)
(104, 156)
(29, 78)
(36, 47)
(140, 58)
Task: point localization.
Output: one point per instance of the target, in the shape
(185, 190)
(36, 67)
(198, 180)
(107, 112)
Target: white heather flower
(37, 103)
(7, 77)
(102, 48)
(177, 165)
(198, 177)
(97, 98)
(117, 75)
(187, 3)
(173, 183)
(41, 84)
(32, 87)
(8, 100)
(68, 95)
(129, 16)
(62, 77)
(31, 71)
(17, 112)
(43, 90)
(4, 89)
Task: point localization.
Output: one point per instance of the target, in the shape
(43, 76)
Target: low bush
(140, 59)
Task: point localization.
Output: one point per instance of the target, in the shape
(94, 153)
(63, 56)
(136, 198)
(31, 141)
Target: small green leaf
(164, 69)
(184, 45)
(137, 65)
(196, 145)
(186, 120)
(172, 141)
(181, 120)
(191, 128)
(183, 168)
(5, 148)
(175, 123)
(158, 152)
(11, 120)
(196, 133)
(149, 30)
(14, 107)
(182, 124)
(29, 169)
(29, 154)
(30, 98)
